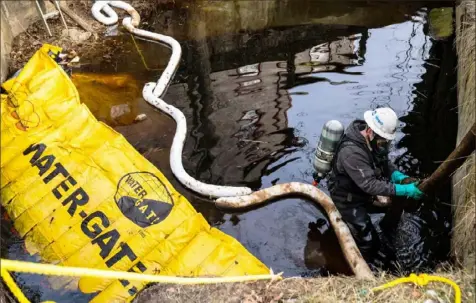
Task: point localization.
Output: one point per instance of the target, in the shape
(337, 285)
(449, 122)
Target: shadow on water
(257, 82)
(430, 136)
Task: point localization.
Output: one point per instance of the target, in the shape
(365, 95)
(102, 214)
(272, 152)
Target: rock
(140, 117)
(416, 294)
(113, 30)
(434, 298)
(120, 110)
(76, 35)
(441, 23)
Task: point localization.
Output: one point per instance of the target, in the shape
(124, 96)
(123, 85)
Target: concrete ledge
(16, 17)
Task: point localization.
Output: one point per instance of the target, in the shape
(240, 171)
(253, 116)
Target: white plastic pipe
(153, 92)
(110, 18)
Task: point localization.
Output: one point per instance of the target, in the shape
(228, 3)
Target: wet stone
(76, 35)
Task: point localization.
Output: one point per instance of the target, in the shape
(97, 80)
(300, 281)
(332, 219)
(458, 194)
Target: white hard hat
(383, 121)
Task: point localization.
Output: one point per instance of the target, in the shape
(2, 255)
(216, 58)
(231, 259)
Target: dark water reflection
(257, 107)
(257, 101)
(259, 79)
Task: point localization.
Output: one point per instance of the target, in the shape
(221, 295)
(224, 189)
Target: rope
(421, 280)
(58, 270)
(142, 56)
(16, 291)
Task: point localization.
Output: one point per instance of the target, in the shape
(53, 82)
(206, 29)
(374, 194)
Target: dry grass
(466, 47)
(464, 215)
(333, 289)
(463, 240)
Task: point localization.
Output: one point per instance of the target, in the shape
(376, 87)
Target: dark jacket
(357, 175)
(357, 170)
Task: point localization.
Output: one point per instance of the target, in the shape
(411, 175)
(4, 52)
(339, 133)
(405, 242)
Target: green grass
(441, 22)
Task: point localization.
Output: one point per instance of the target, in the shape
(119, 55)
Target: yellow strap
(57, 270)
(421, 280)
(13, 286)
(49, 269)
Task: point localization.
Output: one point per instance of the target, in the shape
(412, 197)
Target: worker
(361, 170)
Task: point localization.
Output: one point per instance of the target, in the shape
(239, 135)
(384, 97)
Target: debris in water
(382, 201)
(140, 117)
(69, 57)
(441, 23)
(112, 30)
(119, 110)
(299, 93)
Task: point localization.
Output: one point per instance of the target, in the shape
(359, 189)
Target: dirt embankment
(332, 289)
(87, 44)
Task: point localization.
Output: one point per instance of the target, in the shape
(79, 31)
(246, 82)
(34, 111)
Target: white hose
(153, 92)
(235, 197)
(346, 241)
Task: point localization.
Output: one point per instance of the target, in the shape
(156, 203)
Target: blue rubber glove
(408, 190)
(397, 177)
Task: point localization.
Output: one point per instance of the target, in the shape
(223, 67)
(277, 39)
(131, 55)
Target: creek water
(257, 82)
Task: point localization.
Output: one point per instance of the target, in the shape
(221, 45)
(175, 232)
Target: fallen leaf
(277, 298)
(416, 294)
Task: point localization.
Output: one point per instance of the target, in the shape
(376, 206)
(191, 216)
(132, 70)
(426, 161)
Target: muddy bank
(334, 289)
(89, 44)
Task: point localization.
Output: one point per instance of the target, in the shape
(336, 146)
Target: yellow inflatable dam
(81, 195)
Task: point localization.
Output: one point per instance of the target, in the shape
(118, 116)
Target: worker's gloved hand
(397, 177)
(409, 180)
(408, 190)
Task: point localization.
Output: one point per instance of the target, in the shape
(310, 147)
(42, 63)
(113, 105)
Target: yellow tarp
(81, 195)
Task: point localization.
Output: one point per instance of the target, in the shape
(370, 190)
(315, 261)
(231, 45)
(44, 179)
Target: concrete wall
(237, 15)
(16, 16)
(6, 40)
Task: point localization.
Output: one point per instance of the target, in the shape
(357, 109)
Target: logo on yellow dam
(143, 199)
